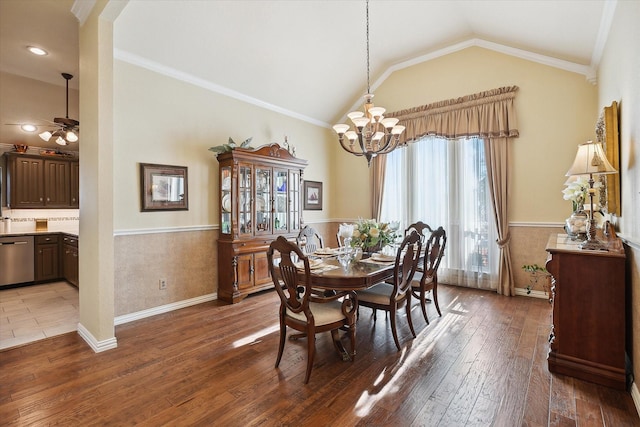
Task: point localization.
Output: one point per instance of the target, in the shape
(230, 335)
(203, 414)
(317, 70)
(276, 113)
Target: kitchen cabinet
(70, 259)
(41, 182)
(75, 183)
(259, 199)
(587, 338)
(25, 180)
(47, 258)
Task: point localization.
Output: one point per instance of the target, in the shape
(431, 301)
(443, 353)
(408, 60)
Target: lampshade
(590, 159)
(45, 135)
(71, 136)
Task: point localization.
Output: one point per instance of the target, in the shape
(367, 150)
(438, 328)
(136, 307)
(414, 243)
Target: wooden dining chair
(309, 240)
(426, 279)
(391, 296)
(424, 230)
(307, 312)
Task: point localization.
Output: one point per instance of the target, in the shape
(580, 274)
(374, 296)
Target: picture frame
(164, 187)
(312, 195)
(607, 133)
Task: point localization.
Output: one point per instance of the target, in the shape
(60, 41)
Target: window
(444, 182)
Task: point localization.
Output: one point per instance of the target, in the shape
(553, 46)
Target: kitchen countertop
(73, 233)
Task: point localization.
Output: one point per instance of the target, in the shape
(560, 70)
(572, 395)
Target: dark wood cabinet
(57, 184)
(25, 179)
(47, 257)
(41, 182)
(70, 259)
(260, 199)
(75, 183)
(588, 333)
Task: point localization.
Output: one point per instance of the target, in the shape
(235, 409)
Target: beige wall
(556, 111)
(161, 120)
(619, 80)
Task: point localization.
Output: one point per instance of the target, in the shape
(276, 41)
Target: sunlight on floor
(254, 338)
(389, 380)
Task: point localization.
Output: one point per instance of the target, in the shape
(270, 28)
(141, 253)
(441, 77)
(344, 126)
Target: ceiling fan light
(60, 141)
(46, 135)
(28, 127)
(71, 136)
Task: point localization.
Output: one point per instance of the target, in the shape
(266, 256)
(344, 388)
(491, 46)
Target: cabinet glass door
(280, 220)
(225, 200)
(245, 180)
(294, 200)
(264, 187)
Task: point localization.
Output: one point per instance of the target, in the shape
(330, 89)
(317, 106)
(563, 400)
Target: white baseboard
(126, 318)
(533, 294)
(635, 395)
(96, 345)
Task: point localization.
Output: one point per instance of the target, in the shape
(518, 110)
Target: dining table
(331, 275)
(355, 276)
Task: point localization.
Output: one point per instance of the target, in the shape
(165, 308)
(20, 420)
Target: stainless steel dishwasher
(16, 260)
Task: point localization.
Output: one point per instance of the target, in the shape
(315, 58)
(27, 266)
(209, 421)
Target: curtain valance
(489, 114)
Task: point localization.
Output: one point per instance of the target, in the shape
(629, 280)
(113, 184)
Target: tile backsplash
(24, 220)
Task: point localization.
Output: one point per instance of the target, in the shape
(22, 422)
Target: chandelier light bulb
(60, 141)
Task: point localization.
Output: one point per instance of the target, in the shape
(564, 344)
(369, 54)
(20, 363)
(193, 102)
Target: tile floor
(31, 313)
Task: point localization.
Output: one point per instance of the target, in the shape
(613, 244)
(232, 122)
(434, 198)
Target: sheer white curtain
(444, 183)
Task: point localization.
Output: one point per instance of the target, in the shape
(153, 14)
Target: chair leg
(393, 329)
(311, 351)
(423, 304)
(435, 297)
(283, 338)
(409, 319)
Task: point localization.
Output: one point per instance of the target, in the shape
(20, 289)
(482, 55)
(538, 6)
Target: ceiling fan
(66, 129)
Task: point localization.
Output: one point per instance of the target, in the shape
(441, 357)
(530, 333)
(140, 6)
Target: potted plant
(535, 273)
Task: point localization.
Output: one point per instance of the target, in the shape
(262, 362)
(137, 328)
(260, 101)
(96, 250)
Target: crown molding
(139, 61)
(586, 70)
(82, 9)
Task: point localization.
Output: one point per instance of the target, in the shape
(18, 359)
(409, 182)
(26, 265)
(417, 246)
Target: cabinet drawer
(72, 241)
(47, 239)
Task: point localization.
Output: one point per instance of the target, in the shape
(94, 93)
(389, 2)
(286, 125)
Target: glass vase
(576, 225)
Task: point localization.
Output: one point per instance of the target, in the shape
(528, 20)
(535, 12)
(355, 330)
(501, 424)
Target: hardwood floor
(482, 363)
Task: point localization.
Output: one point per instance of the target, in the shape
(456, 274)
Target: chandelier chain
(368, 86)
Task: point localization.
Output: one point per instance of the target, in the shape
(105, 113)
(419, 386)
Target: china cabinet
(260, 199)
(587, 338)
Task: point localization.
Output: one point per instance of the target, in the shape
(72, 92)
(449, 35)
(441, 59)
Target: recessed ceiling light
(28, 127)
(36, 50)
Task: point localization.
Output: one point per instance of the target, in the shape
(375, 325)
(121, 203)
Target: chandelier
(375, 133)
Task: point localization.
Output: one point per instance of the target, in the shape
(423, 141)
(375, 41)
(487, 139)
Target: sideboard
(587, 338)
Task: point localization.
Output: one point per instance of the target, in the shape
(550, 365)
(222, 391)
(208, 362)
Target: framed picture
(164, 187)
(313, 195)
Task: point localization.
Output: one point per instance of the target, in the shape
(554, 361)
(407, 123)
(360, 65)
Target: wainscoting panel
(186, 259)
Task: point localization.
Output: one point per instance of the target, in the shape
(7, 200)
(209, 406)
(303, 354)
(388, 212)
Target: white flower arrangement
(577, 190)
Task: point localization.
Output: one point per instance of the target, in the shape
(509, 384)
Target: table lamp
(591, 160)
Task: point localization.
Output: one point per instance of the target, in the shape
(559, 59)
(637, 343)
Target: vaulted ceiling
(305, 58)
